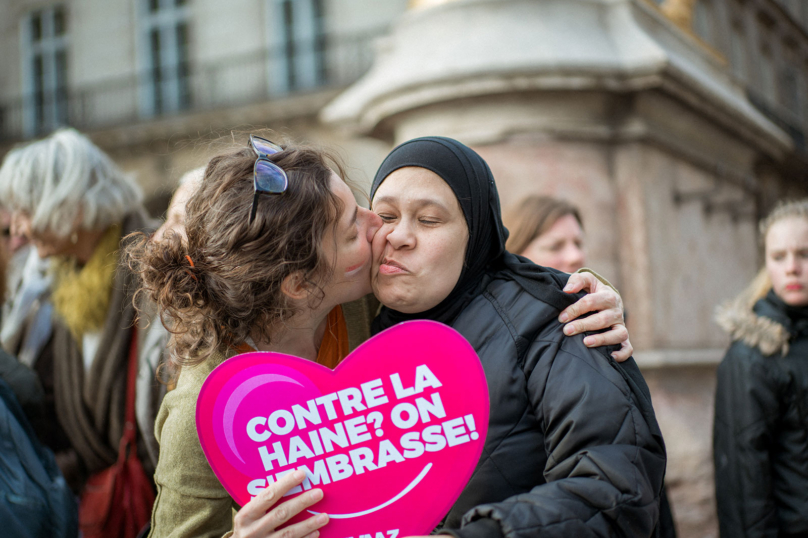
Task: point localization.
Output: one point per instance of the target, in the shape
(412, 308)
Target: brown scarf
(90, 406)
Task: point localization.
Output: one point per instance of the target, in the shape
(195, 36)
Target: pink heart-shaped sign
(391, 435)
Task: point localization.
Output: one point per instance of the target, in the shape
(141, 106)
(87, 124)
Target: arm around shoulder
(606, 458)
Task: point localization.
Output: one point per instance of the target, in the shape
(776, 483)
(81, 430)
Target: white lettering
(351, 400)
(327, 402)
(374, 393)
(288, 422)
(435, 408)
(315, 443)
(433, 439)
(316, 477)
(298, 449)
(336, 437)
(412, 446)
(362, 458)
(252, 431)
(339, 467)
(425, 378)
(455, 431)
(387, 453)
(256, 486)
(277, 455)
(399, 410)
(303, 414)
(357, 430)
(400, 391)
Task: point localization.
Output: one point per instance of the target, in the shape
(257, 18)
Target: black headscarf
(472, 182)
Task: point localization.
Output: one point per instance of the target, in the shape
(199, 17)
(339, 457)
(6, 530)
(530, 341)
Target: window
(790, 91)
(164, 48)
(703, 20)
(767, 73)
(45, 77)
(296, 45)
(737, 50)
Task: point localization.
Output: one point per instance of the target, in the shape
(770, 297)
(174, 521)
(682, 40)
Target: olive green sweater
(190, 500)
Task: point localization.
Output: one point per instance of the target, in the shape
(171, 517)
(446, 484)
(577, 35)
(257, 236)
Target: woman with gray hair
(75, 205)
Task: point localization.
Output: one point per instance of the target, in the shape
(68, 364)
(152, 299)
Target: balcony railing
(245, 79)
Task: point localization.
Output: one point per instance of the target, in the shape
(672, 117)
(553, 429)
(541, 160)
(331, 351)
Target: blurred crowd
(85, 365)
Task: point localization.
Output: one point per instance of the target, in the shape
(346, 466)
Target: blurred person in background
(74, 205)
(175, 214)
(760, 437)
(548, 232)
(26, 311)
(35, 501)
(11, 243)
(155, 366)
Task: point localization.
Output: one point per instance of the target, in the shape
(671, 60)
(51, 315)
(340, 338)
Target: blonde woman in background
(761, 408)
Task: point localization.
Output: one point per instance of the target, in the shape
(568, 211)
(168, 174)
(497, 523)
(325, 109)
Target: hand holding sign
(391, 436)
(263, 515)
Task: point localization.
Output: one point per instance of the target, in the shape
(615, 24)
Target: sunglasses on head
(268, 177)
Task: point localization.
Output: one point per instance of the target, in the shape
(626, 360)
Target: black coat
(573, 447)
(761, 423)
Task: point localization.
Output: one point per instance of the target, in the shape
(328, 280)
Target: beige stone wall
(683, 402)
(679, 261)
(574, 171)
(101, 45)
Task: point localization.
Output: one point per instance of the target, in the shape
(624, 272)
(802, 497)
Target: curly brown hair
(232, 288)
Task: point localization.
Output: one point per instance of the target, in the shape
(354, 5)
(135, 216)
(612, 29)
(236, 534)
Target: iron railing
(331, 61)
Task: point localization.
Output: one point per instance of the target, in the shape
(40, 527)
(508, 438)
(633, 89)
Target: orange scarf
(334, 346)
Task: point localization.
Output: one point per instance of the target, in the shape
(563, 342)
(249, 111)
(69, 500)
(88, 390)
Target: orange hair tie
(192, 265)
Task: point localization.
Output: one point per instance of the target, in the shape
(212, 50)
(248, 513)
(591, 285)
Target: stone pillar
(609, 104)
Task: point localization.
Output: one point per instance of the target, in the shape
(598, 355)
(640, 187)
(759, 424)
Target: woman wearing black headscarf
(573, 447)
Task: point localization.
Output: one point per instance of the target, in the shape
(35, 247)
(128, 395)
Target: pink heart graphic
(392, 435)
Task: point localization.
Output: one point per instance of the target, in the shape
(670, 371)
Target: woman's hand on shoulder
(260, 517)
(608, 307)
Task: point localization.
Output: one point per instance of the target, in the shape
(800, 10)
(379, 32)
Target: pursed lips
(392, 267)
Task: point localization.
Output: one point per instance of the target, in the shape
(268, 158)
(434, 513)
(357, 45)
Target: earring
(74, 237)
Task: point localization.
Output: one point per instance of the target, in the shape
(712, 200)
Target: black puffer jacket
(761, 422)
(573, 447)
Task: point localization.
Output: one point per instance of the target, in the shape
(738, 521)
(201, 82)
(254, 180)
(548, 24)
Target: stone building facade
(673, 124)
(152, 81)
